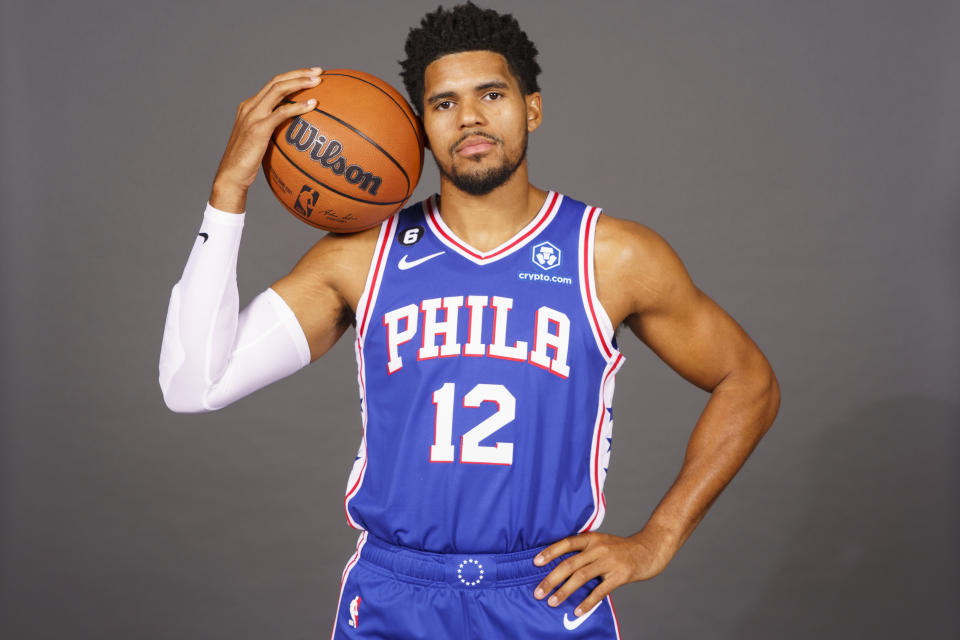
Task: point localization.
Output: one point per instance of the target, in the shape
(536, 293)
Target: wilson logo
(327, 153)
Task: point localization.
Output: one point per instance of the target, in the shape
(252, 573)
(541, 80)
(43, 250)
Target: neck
(487, 221)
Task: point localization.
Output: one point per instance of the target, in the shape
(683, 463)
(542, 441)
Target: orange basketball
(351, 162)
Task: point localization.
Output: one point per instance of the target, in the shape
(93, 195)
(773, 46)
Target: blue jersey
(486, 382)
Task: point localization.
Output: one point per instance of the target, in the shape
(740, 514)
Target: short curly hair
(467, 27)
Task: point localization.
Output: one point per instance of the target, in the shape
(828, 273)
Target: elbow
(770, 394)
(178, 403)
(759, 391)
(181, 398)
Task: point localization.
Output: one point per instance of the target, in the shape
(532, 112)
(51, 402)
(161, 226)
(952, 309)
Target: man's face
(477, 119)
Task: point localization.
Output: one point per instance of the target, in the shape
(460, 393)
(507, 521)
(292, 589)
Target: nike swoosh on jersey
(405, 264)
(204, 236)
(570, 625)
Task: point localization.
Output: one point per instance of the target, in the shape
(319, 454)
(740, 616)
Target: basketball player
(485, 323)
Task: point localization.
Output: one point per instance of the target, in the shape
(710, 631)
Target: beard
(483, 182)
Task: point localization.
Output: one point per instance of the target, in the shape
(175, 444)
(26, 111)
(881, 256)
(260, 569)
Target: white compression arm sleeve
(211, 355)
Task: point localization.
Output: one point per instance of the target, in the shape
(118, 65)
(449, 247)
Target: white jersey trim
(599, 320)
(616, 623)
(351, 563)
(602, 330)
(523, 237)
(599, 459)
(365, 305)
(375, 273)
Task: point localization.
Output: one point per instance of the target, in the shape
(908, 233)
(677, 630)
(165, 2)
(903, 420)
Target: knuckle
(275, 87)
(259, 127)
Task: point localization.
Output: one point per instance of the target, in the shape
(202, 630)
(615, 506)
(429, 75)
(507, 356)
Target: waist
(461, 570)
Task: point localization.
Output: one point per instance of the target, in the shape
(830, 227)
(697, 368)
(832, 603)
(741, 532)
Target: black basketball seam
(329, 188)
(364, 136)
(416, 130)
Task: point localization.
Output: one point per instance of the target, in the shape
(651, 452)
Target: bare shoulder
(636, 269)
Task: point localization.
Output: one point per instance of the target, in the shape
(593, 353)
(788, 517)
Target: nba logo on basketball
(546, 256)
(355, 612)
(306, 201)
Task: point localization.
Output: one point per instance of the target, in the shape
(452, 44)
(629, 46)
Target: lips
(474, 145)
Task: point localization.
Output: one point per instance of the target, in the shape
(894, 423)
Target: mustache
(475, 134)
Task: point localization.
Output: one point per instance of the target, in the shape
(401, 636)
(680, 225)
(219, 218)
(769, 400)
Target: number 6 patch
(410, 235)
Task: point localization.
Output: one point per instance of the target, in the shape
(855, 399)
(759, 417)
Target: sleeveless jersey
(486, 383)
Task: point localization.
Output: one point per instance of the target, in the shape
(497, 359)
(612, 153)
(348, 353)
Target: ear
(534, 110)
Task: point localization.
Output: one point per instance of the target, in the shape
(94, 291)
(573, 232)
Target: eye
(443, 105)
(494, 95)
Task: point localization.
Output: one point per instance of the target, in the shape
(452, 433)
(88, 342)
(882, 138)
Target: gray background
(801, 157)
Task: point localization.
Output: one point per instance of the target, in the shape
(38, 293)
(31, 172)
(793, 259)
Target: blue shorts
(397, 593)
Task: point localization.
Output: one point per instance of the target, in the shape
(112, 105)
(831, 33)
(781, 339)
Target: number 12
(471, 451)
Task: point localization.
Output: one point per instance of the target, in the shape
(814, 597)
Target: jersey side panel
(367, 300)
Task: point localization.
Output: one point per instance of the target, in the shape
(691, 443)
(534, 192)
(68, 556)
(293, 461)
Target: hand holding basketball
(257, 117)
(352, 160)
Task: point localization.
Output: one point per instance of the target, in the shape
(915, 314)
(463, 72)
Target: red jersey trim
(375, 274)
(599, 320)
(525, 235)
(598, 499)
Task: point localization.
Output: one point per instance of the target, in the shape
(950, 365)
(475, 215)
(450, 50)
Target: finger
(596, 596)
(281, 90)
(559, 548)
(577, 579)
(283, 77)
(289, 110)
(560, 573)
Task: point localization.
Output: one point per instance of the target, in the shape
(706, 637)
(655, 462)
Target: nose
(471, 114)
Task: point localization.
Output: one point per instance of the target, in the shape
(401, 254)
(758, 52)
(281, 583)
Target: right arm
(211, 354)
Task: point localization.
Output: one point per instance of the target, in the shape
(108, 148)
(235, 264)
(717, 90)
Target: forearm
(740, 410)
(212, 355)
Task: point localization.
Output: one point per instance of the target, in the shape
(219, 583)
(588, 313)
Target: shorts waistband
(464, 570)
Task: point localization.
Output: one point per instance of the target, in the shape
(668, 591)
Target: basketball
(353, 161)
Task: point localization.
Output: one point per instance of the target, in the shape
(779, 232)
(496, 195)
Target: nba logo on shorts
(354, 612)
(546, 256)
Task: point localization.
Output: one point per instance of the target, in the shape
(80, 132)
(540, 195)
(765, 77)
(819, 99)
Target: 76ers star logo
(546, 256)
(355, 612)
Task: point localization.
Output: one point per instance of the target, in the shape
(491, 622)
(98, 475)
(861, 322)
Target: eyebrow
(493, 84)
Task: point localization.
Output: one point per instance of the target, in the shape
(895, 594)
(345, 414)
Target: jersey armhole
(375, 275)
(602, 328)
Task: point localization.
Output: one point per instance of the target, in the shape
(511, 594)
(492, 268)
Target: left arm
(642, 282)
